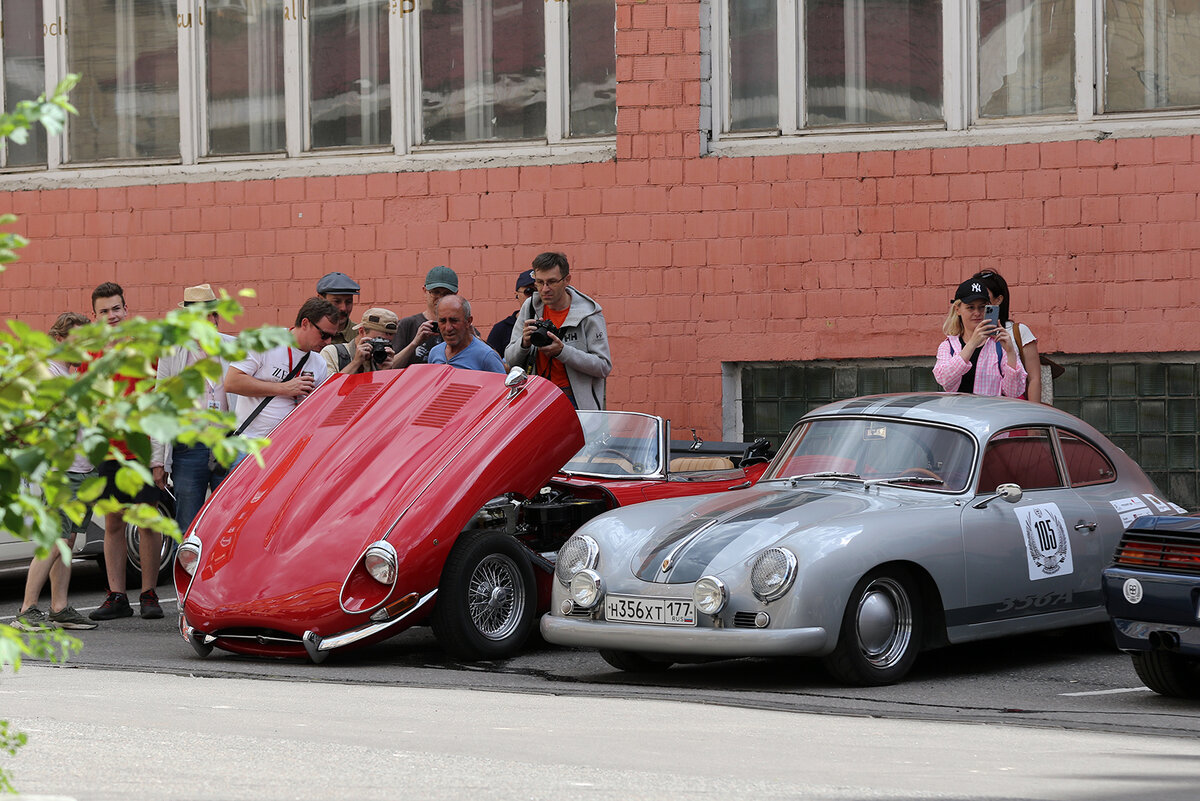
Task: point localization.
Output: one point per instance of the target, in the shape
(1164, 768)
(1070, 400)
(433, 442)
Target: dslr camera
(379, 350)
(539, 336)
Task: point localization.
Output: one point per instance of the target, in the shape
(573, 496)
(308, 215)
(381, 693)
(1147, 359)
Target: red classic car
(393, 498)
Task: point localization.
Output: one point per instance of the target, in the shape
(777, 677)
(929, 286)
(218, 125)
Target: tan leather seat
(693, 464)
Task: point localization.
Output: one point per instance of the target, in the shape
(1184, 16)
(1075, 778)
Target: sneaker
(69, 618)
(32, 619)
(115, 605)
(150, 608)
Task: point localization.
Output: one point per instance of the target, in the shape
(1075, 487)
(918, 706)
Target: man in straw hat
(371, 348)
(191, 467)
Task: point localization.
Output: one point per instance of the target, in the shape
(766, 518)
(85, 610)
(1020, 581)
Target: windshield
(872, 449)
(618, 444)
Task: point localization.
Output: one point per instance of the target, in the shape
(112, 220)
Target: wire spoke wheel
(495, 596)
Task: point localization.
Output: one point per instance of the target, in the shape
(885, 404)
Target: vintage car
(885, 525)
(1152, 590)
(393, 498)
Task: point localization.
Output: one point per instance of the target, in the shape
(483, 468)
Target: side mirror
(515, 381)
(1009, 492)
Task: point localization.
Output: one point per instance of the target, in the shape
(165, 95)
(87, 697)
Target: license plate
(658, 611)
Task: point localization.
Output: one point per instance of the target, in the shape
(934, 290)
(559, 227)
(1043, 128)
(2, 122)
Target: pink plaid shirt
(990, 378)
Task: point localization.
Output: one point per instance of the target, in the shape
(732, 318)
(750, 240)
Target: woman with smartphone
(978, 355)
(1027, 345)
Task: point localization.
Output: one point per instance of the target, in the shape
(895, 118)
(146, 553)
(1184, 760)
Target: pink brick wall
(697, 261)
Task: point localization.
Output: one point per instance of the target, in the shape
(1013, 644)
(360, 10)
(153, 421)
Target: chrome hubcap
(884, 623)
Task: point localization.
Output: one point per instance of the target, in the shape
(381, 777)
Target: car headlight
(380, 562)
(773, 573)
(580, 553)
(188, 555)
(586, 589)
(710, 595)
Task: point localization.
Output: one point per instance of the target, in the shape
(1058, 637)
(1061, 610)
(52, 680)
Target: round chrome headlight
(580, 553)
(773, 573)
(188, 556)
(586, 589)
(380, 562)
(710, 595)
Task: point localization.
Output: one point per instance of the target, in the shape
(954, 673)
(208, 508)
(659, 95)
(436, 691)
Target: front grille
(744, 620)
(260, 636)
(1159, 550)
(579, 611)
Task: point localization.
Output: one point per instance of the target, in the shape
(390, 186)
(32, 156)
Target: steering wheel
(920, 471)
(620, 459)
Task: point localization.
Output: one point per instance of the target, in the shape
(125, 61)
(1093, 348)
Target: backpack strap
(343, 355)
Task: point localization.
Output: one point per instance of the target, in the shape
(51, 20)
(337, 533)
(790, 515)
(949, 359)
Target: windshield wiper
(907, 480)
(827, 474)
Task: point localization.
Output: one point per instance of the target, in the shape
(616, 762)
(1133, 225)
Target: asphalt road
(1070, 680)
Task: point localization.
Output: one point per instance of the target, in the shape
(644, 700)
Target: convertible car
(1152, 589)
(885, 525)
(394, 498)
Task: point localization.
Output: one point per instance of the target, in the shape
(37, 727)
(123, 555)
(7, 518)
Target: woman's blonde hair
(65, 322)
(953, 326)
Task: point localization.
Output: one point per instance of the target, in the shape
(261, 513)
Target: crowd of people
(561, 336)
(558, 332)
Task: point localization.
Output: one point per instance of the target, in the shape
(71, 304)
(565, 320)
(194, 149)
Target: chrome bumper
(318, 647)
(683, 640)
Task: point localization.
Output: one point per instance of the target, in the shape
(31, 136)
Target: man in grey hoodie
(573, 353)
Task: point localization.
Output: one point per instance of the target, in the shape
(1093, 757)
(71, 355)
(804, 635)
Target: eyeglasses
(325, 335)
(547, 282)
(527, 291)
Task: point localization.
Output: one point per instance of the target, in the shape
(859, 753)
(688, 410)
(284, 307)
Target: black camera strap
(266, 400)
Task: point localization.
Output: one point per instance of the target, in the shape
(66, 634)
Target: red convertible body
(393, 498)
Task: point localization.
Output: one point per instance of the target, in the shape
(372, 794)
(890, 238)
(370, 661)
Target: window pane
(483, 69)
(1153, 51)
(593, 66)
(128, 99)
(1026, 57)
(351, 93)
(753, 65)
(245, 76)
(874, 61)
(24, 73)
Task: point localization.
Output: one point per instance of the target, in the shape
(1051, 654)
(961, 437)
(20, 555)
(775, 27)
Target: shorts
(108, 471)
(74, 480)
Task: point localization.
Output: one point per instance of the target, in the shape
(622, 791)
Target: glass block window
(1147, 408)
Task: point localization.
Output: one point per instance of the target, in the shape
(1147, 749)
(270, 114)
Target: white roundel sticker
(1132, 590)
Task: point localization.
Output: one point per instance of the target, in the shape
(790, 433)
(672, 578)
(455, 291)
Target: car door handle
(1083, 525)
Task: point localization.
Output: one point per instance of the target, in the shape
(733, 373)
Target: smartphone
(991, 314)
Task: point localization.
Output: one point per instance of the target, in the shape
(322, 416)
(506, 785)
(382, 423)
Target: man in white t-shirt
(261, 375)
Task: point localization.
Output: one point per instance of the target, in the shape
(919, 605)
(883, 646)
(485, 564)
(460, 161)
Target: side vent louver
(445, 405)
(351, 404)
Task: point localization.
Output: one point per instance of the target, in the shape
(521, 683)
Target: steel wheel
(496, 596)
(881, 630)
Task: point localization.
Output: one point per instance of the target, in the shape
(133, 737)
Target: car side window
(1019, 456)
(1084, 462)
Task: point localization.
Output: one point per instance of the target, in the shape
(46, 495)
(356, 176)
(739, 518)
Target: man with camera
(563, 336)
(460, 347)
(371, 348)
(418, 333)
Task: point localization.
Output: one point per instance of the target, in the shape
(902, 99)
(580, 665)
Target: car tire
(487, 597)
(632, 662)
(133, 537)
(1168, 673)
(881, 631)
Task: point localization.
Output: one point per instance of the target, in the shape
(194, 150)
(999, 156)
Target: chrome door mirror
(1009, 492)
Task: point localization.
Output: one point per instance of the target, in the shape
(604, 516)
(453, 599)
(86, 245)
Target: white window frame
(404, 152)
(961, 126)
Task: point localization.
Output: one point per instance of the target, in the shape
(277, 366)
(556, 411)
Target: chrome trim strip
(685, 640)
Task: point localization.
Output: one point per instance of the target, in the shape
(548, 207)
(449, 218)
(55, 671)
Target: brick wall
(697, 260)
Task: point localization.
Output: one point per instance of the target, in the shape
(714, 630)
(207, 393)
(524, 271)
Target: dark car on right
(1152, 590)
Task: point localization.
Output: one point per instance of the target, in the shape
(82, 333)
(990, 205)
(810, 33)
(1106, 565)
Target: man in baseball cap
(501, 332)
(417, 334)
(340, 290)
(372, 346)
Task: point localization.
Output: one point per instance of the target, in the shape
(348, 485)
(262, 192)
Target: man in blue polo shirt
(459, 346)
